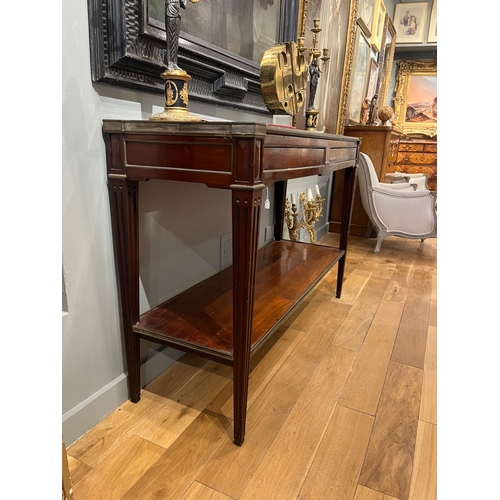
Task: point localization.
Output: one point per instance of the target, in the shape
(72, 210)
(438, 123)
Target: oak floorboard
(363, 389)
(397, 289)
(177, 375)
(112, 477)
(94, 446)
(175, 470)
(388, 463)
(433, 313)
(352, 287)
(165, 425)
(232, 467)
(394, 243)
(261, 375)
(78, 470)
(428, 401)
(364, 493)
(300, 435)
(199, 491)
(358, 321)
(306, 313)
(424, 477)
(409, 347)
(335, 469)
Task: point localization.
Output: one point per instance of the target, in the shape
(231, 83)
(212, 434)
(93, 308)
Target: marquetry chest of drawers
(418, 156)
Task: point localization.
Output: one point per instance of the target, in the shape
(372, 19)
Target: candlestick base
(175, 115)
(312, 119)
(176, 98)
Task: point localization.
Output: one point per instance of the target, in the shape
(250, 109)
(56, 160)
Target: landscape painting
(422, 99)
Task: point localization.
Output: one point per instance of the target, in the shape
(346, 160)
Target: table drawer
(417, 158)
(411, 146)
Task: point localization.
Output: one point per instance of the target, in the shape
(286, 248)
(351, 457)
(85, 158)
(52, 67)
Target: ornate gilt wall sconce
(311, 213)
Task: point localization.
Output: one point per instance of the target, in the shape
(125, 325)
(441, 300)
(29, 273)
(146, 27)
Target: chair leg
(369, 229)
(380, 238)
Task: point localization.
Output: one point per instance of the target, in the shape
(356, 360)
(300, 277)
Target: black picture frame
(126, 51)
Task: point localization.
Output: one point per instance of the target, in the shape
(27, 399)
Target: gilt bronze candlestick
(176, 79)
(314, 70)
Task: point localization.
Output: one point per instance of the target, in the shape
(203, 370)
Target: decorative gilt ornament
(184, 94)
(171, 93)
(283, 78)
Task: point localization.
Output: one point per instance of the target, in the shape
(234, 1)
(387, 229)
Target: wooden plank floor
(342, 402)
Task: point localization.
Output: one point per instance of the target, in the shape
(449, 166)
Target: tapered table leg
(123, 196)
(347, 204)
(246, 219)
(279, 208)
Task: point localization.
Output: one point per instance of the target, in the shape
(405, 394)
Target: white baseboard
(80, 419)
(321, 231)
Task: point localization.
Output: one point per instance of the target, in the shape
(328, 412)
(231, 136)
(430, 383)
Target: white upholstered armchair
(406, 209)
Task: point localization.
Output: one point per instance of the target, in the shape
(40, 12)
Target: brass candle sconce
(311, 210)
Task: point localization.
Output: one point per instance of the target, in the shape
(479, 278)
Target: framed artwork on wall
(385, 61)
(220, 46)
(336, 20)
(372, 79)
(415, 101)
(410, 20)
(359, 77)
(378, 25)
(432, 36)
(366, 9)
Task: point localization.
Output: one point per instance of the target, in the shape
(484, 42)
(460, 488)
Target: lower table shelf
(200, 319)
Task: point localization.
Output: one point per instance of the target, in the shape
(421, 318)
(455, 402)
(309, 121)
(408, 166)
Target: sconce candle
(317, 190)
(294, 201)
(310, 195)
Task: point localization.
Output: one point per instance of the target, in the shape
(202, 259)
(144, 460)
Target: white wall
(181, 227)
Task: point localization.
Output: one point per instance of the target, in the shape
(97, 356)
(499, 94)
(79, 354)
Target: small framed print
(378, 25)
(410, 20)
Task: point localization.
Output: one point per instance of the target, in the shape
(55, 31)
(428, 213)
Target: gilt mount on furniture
(251, 299)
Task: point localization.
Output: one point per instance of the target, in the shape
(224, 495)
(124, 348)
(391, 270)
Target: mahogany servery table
(228, 316)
